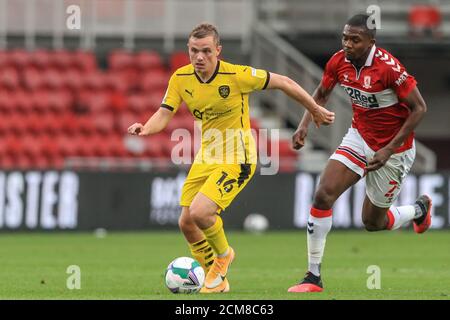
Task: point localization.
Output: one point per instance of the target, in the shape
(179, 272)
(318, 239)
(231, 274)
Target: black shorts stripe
(357, 156)
(246, 170)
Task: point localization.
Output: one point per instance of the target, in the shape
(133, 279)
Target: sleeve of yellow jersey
(251, 79)
(172, 98)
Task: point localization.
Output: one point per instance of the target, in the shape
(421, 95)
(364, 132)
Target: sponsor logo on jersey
(209, 114)
(361, 98)
(402, 78)
(198, 114)
(346, 77)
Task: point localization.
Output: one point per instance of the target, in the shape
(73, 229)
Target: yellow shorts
(219, 182)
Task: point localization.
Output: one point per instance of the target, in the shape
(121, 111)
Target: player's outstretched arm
(320, 96)
(319, 114)
(157, 122)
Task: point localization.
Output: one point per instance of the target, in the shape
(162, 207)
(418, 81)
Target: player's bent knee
(185, 223)
(197, 214)
(324, 199)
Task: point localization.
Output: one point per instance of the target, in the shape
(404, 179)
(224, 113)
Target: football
(256, 223)
(184, 275)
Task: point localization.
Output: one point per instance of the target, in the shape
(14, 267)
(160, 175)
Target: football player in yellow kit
(217, 94)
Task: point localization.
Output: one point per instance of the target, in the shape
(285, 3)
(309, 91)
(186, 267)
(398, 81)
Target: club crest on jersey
(224, 91)
(367, 80)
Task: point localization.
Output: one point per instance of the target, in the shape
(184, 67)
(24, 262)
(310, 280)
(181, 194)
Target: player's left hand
(322, 116)
(379, 159)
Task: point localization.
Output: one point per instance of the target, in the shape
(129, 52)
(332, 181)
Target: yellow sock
(203, 253)
(216, 237)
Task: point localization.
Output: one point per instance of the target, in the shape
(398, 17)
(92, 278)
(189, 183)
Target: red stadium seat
(62, 59)
(178, 59)
(69, 124)
(118, 101)
(53, 78)
(23, 102)
(424, 18)
(60, 101)
(103, 123)
(40, 59)
(125, 120)
(95, 81)
(116, 146)
(155, 100)
(154, 81)
(137, 103)
(35, 123)
(13, 145)
(85, 125)
(40, 100)
(286, 150)
(31, 145)
(154, 147)
(20, 58)
(9, 78)
(146, 60)
(84, 61)
(5, 101)
(49, 146)
(120, 59)
(98, 102)
(4, 59)
(57, 162)
(33, 78)
(39, 162)
(16, 124)
(73, 79)
(68, 146)
(116, 81)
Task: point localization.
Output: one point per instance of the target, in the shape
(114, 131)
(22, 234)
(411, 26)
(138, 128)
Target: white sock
(319, 224)
(398, 216)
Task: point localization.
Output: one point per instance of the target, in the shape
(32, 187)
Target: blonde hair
(204, 30)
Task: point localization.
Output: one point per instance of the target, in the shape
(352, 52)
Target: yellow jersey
(221, 107)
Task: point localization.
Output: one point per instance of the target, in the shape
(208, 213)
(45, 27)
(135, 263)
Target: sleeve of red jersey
(399, 79)
(329, 78)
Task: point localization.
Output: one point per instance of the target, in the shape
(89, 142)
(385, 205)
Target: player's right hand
(298, 139)
(322, 116)
(135, 128)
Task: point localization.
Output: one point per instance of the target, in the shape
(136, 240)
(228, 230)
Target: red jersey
(376, 91)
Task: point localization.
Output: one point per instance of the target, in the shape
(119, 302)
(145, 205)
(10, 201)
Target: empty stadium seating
(56, 105)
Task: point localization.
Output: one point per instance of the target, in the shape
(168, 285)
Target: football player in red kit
(379, 146)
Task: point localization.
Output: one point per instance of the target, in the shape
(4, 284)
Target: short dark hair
(360, 20)
(204, 30)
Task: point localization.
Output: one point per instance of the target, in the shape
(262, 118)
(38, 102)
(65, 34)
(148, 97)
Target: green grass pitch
(131, 265)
